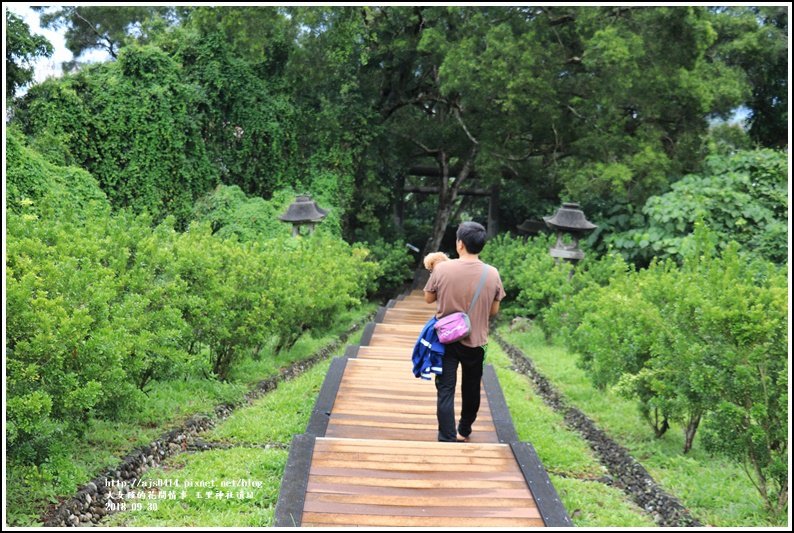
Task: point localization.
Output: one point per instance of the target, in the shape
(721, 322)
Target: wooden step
(372, 482)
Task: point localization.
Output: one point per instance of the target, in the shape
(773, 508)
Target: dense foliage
(160, 168)
(534, 281)
(144, 195)
(741, 197)
(100, 303)
(605, 105)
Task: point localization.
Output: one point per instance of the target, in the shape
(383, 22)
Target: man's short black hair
(473, 236)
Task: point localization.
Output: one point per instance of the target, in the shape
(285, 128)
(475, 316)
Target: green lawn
(714, 489)
(273, 419)
(252, 508)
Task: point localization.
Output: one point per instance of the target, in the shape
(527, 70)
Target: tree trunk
(690, 430)
(399, 204)
(447, 196)
(443, 214)
(659, 429)
(493, 212)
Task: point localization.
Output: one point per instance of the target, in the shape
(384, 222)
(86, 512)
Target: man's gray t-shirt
(455, 283)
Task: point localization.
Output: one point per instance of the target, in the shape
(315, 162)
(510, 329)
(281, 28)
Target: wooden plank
(408, 314)
(425, 478)
(399, 329)
(429, 435)
(402, 308)
(408, 426)
(412, 317)
(408, 396)
(417, 466)
(388, 357)
(425, 413)
(437, 447)
(448, 493)
(412, 483)
(425, 460)
(396, 338)
(315, 504)
(342, 406)
(425, 416)
(395, 334)
(396, 343)
(369, 350)
(419, 387)
(417, 521)
(427, 310)
(395, 447)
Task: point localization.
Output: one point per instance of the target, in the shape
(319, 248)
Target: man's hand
(494, 307)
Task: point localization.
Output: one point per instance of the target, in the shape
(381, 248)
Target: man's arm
(430, 297)
(494, 307)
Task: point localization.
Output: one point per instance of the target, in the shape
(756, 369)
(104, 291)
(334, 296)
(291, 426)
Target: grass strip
(573, 468)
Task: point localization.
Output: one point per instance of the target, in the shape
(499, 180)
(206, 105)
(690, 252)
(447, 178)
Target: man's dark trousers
(471, 361)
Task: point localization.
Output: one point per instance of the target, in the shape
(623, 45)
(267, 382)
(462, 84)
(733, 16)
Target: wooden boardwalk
(370, 455)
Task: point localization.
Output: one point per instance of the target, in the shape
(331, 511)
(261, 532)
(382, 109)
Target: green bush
(534, 281)
(30, 176)
(740, 197)
(394, 265)
(230, 212)
(703, 342)
(100, 304)
(163, 166)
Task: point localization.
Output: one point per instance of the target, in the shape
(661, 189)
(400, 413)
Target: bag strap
(479, 287)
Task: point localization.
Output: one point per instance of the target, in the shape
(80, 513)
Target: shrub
(705, 341)
(100, 304)
(740, 197)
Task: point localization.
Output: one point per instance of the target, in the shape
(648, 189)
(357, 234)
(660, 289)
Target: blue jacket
(428, 352)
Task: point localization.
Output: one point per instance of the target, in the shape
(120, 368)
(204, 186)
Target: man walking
(452, 285)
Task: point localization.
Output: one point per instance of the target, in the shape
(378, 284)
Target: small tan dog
(431, 260)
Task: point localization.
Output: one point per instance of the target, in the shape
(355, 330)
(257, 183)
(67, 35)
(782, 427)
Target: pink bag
(453, 327)
(457, 326)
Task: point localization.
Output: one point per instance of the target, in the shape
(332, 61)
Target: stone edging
(626, 472)
(87, 506)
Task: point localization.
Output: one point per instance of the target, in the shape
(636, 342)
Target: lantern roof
(531, 226)
(569, 218)
(304, 209)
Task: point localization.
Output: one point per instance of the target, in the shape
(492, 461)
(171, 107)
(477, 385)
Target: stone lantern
(569, 219)
(303, 211)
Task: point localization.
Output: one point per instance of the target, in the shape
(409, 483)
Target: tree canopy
(407, 117)
(22, 49)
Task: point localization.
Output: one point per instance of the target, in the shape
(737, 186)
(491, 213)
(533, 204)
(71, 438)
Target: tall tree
(598, 102)
(756, 40)
(103, 27)
(22, 49)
